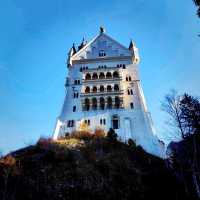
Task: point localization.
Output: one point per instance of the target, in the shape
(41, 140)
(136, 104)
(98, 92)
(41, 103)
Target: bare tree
(171, 105)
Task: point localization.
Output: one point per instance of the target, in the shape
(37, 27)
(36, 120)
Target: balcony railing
(101, 69)
(102, 107)
(102, 79)
(102, 93)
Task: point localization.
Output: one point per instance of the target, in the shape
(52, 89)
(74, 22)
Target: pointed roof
(85, 45)
(131, 45)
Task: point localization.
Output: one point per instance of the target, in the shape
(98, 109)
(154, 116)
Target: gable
(100, 45)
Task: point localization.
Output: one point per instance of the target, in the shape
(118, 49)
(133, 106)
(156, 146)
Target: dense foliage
(86, 167)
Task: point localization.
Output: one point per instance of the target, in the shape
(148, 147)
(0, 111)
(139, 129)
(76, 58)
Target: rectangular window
(104, 121)
(70, 123)
(74, 108)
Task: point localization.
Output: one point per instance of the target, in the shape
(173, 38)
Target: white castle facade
(103, 90)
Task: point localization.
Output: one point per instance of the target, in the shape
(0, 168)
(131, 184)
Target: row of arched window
(102, 67)
(77, 82)
(102, 75)
(83, 68)
(104, 103)
(128, 78)
(75, 95)
(121, 65)
(102, 88)
(130, 92)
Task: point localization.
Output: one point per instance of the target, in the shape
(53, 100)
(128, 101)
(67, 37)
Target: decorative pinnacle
(131, 45)
(102, 30)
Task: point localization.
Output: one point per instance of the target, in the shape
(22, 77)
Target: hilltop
(85, 166)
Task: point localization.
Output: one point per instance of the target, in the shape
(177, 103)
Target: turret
(71, 52)
(134, 50)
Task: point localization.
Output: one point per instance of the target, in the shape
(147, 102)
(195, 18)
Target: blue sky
(35, 37)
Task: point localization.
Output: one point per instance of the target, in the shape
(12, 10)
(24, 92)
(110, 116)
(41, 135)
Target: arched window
(126, 78)
(115, 122)
(109, 88)
(78, 82)
(108, 75)
(87, 104)
(74, 108)
(101, 75)
(94, 89)
(128, 92)
(95, 76)
(101, 88)
(116, 87)
(102, 103)
(94, 103)
(129, 78)
(115, 74)
(88, 77)
(117, 102)
(124, 66)
(81, 69)
(102, 53)
(87, 89)
(131, 105)
(109, 102)
(75, 82)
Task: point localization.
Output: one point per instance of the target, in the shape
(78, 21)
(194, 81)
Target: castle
(103, 90)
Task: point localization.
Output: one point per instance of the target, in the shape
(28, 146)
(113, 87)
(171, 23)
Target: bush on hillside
(111, 135)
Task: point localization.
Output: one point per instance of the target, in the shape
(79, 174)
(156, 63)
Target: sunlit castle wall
(103, 91)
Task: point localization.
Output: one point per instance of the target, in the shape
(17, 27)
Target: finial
(102, 30)
(74, 48)
(131, 45)
(83, 43)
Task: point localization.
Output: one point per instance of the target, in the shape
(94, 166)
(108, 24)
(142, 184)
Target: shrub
(111, 135)
(8, 161)
(131, 143)
(44, 142)
(99, 133)
(84, 135)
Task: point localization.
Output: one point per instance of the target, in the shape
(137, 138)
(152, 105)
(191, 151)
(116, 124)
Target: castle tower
(103, 91)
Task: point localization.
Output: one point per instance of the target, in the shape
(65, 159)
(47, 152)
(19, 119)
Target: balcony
(102, 93)
(102, 103)
(101, 107)
(102, 80)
